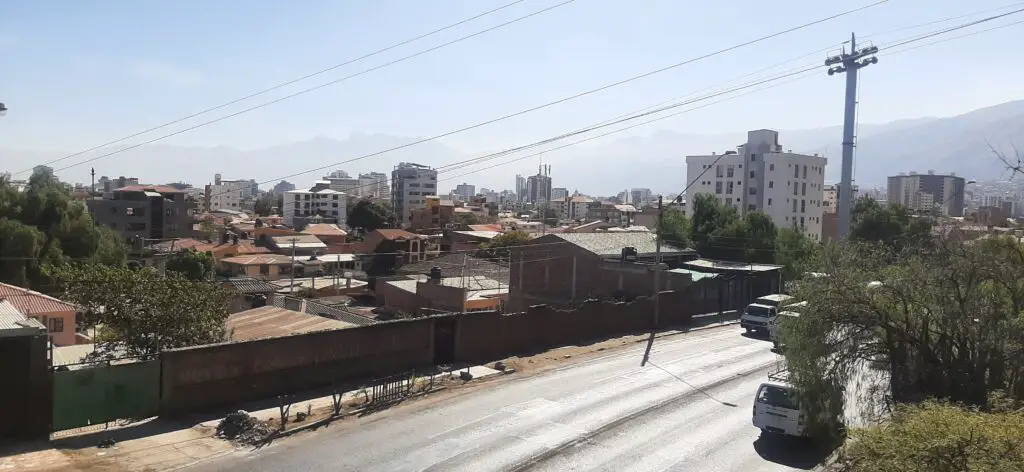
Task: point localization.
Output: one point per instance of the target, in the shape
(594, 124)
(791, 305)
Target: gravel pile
(241, 428)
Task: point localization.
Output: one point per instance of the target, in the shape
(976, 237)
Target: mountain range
(958, 144)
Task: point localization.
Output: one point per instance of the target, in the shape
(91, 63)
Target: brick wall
(204, 377)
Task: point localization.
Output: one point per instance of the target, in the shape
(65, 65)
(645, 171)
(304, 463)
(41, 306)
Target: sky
(76, 74)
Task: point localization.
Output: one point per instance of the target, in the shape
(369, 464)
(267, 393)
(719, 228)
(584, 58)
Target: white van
(775, 324)
(775, 301)
(756, 317)
(777, 408)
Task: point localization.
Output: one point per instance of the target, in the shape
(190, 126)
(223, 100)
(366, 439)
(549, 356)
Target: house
(566, 268)
(462, 241)
(59, 317)
(618, 215)
(149, 211)
(263, 266)
(326, 232)
(422, 294)
(459, 265)
(299, 244)
(435, 215)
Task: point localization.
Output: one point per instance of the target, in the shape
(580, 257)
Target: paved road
(689, 411)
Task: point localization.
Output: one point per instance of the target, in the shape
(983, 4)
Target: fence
(85, 395)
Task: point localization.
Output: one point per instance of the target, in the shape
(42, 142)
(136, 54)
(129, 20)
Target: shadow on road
(789, 451)
(758, 335)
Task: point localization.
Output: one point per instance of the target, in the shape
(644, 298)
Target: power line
(501, 118)
(285, 84)
(955, 28)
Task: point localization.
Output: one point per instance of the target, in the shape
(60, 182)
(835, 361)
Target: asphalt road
(687, 410)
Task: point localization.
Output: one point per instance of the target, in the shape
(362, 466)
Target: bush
(939, 437)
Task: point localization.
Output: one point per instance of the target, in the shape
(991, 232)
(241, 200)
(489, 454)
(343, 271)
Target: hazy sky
(79, 73)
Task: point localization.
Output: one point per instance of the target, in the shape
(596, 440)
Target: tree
(795, 252)
(19, 252)
(498, 247)
(709, 217)
(193, 265)
(466, 219)
(891, 225)
(140, 312)
(674, 228)
(944, 323)
(263, 205)
(369, 215)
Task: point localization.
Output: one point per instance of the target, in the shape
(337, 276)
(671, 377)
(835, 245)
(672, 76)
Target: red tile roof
(392, 234)
(258, 259)
(31, 302)
(149, 188)
(324, 229)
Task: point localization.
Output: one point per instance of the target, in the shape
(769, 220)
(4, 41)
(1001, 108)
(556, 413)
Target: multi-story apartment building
(283, 186)
(410, 185)
(319, 200)
(538, 187)
(374, 185)
(148, 211)
(520, 188)
(930, 193)
(830, 198)
(559, 194)
(464, 191)
(760, 176)
(229, 194)
(573, 208)
(640, 197)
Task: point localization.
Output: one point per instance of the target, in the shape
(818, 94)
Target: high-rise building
(374, 185)
(830, 198)
(538, 187)
(340, 181)
(521, 188)
(283, 186)
(558, 194)
(410, 184)
(639, 197)
(760, 176)
(465, 191)
(941, 194)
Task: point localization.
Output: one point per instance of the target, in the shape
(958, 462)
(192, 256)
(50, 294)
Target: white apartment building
(317, 200)
(760, 176)
(573, 208)
(464, 191)
(410, 185)
(830, 198)
(373, 185)
(229, 194)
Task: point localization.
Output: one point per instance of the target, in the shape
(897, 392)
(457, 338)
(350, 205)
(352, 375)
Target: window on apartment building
(752, 190)
(796, 189)
(753, 157)
(769, 202)
(719, 171)
(305, 197)
(730, 171)
(751, 207)
(297, 197)
(803, 188)
(718, 187)
(771, 184)
(264, 269)
(771, 167)
(334, 197)
(796, 172)
(805, 172)
(56, 325)
(429, 185)
(728, 188)
(794, 205)
(801, 222)
(414, 184)
(803, 206)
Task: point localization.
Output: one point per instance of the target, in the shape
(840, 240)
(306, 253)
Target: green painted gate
(93, 395)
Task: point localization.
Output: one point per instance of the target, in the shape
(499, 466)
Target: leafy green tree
(674, 228)
(892, 225)
(193, 265)
(140, 312)
(263, 205)
(498, 247)
(795, 252)
(20, 245)
(466, 219)
(709, 217)
(369, 215)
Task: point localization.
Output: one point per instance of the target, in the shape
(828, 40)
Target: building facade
(410, 185)
(932, 193)
(760, 176)
(640, 197)
(373, 185)
(464, 191)
(538, 188)
(148, 211)
(830, 198)
(319, 200)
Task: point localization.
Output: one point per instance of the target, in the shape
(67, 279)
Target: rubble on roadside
(241, 428)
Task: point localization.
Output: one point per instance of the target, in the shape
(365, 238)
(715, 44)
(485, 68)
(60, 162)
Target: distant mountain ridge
(958, 144)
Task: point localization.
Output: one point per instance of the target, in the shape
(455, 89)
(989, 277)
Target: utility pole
(657, 265)
(849, 63)
(92, 173)
(291, 286)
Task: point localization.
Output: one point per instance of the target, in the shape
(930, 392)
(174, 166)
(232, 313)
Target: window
(335, 205)
(56, 325)
(718, 187)
(769, 202)
(429, 185)
(413, 184)
(803, 188)
(794, 205)
(334, 197)
(297, 197)
(728, 188)
(129, 211)
(771, 167)
(796, 172)
(751, 207)
(136, 227)
(264, 269)
(805, 172)
(803, 206)
(796, 189)
(730, 171)
(719, 171)
(753, 157)
(801, 222)
(751, 174)
(753, 190)
(771, 184)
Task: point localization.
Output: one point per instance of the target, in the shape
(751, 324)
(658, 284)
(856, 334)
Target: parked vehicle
(777, 407)
(758, 315)
(775, 323)
(777, 300)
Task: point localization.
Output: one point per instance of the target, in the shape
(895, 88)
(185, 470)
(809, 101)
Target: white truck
(777, 407)
(758, 315)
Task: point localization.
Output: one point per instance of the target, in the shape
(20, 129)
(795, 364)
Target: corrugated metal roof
(611, 244)
(270, 321)
(13, 321)
(695, 275)
(727, 265)
(324, 229)
(249, 285)
(306, 241)
(258, 259)
(31, 302)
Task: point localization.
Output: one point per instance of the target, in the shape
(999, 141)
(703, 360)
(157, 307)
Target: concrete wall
(224, 375)
(27, 391)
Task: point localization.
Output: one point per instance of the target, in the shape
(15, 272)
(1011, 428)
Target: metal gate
(93, 395)
(392, 389)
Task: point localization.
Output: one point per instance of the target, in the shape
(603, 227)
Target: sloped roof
(258, 259)
(611, 244)
(250, 285)
(485, 227)
(393, 234)
(302, 241)
(270, 321)
(324, 229)
(14, 322)
(31, 302)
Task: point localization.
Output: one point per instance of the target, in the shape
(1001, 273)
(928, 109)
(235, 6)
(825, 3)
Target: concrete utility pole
(291, 286)
(849, 63)
(657, 265)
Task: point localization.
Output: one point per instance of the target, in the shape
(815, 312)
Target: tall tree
(466, 219)
(140, 312)
(795, 252)
(369, 215)
(674, 228)
(892, 225)
(498, 247)
(193, 265)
